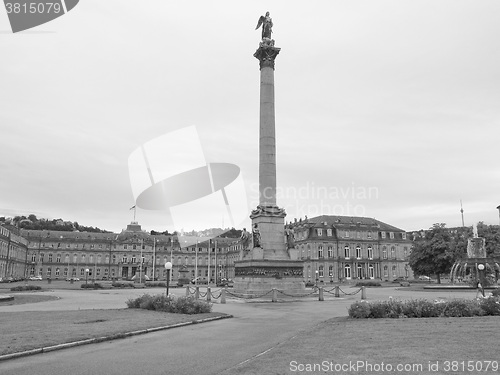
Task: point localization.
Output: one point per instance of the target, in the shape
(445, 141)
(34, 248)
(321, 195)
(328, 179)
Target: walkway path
(209, 348)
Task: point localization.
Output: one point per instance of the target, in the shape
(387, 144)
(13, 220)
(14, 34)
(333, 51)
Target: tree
(433, 253)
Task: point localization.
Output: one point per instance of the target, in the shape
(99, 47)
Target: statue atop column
(267, 25)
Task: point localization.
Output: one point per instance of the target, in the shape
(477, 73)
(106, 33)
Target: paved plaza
(209, 348)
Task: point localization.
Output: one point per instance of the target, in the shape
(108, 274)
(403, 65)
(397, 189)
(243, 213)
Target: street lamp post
(317, 278)
(168, 267)
(86, 275)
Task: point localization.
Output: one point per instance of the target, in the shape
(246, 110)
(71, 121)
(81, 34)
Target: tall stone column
(267, 132)
(268, 263)
(268, 217)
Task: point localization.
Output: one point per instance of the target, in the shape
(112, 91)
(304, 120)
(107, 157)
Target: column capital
(266, 55)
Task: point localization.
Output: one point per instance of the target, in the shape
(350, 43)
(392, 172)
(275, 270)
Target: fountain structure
(477, 266)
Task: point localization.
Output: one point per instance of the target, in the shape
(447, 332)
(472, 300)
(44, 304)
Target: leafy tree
(432, 253)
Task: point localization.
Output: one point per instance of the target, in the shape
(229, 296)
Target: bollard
(197, 293)
(275, 295)
(337, 291)
(187, 290)
(209, 297)
(363, 292)
(223, 296)
(321, 298)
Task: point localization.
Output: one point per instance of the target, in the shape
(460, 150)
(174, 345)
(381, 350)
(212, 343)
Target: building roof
(338, 221)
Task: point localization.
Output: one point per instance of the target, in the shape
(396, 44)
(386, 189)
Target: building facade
(333, 248)
(13, 253)
(337, 248)
(120, 256)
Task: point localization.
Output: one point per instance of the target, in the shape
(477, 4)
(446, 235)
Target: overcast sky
(384, 109)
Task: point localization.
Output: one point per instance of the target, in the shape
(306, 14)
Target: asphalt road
(209, 348)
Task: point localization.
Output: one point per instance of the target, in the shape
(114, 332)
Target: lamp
(168, 267)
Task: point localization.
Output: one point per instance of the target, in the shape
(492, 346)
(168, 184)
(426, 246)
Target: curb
(96, 340)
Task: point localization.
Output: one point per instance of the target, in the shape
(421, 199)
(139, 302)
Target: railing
(222, 293)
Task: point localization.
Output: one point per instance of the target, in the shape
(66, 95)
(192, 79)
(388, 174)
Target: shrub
(462, 307)
(151, 284)
(359, 310)
(421, 308)
(368, 283)
(496, 293)
(490, 306)
(118, 284)
(22, 288)
(181, 305)
(91, 286)
(425, 309)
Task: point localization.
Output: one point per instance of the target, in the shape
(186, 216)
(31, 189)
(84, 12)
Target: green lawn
(412, 342)
(31, 330)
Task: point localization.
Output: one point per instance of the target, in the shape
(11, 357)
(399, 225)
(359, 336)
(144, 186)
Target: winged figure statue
(267, 23)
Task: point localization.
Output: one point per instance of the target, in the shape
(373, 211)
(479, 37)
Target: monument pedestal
(271, 265)
(255, 277)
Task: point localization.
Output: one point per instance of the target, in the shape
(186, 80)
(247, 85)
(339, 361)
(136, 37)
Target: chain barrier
(248, 297)
(218, 293)
(213, 294)
(296, 295)
(202, 295)
(351, 294)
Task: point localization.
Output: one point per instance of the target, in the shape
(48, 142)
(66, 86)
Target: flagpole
(140, 272)
(171, 274)
(215, 263)
(154, 257)
(196, 265)
(209, 255)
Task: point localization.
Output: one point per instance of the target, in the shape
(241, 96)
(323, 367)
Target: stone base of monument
(256, 277)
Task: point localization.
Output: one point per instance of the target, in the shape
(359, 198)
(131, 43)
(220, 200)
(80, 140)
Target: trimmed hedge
(368, 283)
(156, 284)
(92, 286)
(425, 309)
(121, 284)
(171, 304)
(22, 288)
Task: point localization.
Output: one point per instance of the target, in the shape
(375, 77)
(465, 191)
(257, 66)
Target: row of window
(347, 234)
(348, 274)
(358, 252)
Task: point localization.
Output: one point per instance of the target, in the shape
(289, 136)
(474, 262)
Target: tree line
(435, 250)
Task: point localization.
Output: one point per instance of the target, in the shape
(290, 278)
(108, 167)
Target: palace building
(333, 248)
(120, 256)
(343, 248)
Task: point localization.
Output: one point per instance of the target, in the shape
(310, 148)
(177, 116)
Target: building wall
(336, 248)
(13, 253)
(104, 256)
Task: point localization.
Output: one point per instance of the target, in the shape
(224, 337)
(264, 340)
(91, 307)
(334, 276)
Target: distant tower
(462, 212)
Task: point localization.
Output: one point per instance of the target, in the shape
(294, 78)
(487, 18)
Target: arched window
(347, 252)
(358, 252)
(371, 272)
(347, 271)
(384, 252)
